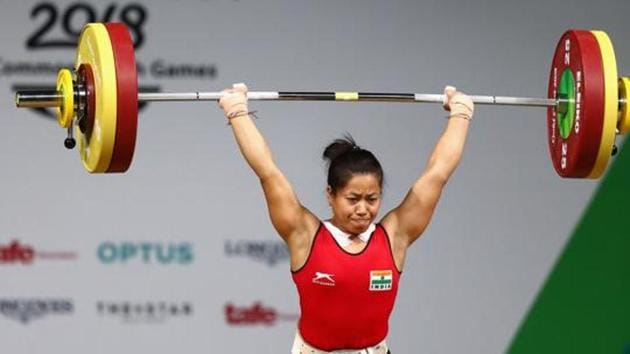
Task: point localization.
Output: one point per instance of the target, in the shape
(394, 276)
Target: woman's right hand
(458, 103)
(234, 101)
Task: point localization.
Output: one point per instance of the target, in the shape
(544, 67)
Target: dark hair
(345, 159)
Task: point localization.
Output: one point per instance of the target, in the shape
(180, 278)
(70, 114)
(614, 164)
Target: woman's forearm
(249, 139)
(253, 146)
(449, 149)
(450, 146)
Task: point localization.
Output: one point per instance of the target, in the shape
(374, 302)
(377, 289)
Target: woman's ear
(329, 195)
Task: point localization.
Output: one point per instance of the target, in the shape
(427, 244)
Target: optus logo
(18, 253)
(255, 314)
(145, 252)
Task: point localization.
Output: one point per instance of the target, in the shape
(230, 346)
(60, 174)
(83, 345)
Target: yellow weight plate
(611, 102)
(64, 85)
(95, 49)
(623, 122)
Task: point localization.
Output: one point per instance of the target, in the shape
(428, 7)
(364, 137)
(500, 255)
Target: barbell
(98, 100)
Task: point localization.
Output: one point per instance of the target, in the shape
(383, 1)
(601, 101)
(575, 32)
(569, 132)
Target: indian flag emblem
(380, 280)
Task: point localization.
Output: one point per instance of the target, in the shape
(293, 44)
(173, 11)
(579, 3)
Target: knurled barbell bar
(586, 102)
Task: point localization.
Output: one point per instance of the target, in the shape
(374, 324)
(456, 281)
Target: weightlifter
(347, 268)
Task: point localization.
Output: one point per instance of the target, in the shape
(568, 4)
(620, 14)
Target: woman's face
(356, 205)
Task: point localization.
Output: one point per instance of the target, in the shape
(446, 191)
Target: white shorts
(301, 347)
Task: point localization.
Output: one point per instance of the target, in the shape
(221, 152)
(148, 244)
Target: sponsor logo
(145, 252)
(256, 314)
(58, 26)
(14, 252)
(324, 279)
(144, 312)
(27, 310)
(269, 252)
(380, 280)
(19, 253)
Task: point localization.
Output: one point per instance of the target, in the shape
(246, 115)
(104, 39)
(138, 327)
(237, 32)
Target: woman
(346, 269)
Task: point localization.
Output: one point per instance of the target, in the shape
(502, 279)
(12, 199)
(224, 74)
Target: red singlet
(346, 298)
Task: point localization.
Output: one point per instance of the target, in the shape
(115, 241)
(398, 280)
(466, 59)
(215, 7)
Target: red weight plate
(127, 97)
(576, 155)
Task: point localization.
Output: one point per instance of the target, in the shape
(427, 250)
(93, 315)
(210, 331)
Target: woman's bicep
(287, 214)
(409, 219)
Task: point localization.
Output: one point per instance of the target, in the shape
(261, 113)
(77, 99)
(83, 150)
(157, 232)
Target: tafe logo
(19, 253)
(16, 253)
(255, 314)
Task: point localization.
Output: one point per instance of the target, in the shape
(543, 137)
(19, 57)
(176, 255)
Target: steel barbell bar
(52, 98)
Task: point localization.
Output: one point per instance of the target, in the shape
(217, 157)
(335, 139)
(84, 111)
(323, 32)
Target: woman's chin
(358, 227)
